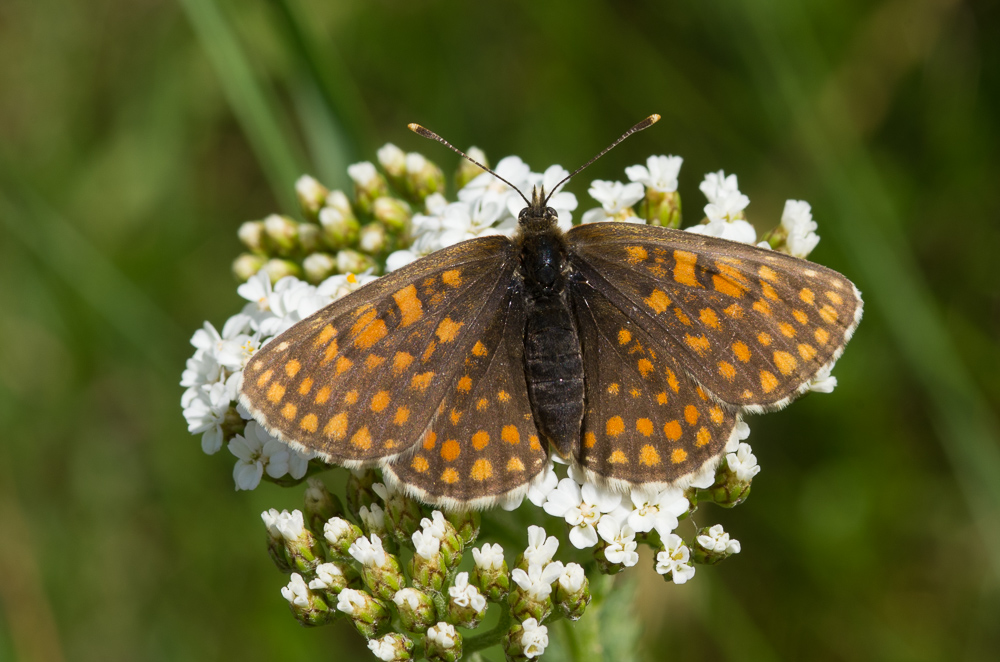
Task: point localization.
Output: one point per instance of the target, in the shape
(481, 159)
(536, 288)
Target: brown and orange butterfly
(630, 350)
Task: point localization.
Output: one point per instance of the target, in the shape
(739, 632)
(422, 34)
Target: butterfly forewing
(646, 421)
(482, 442)
(752, 326)
(361, 379)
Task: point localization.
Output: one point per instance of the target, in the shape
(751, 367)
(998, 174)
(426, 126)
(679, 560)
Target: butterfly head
(537, 215)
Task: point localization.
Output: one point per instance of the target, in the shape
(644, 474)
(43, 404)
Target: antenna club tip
(653, 119)
(414, 127)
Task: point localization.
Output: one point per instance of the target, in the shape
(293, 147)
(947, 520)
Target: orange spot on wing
(305, 386)
(762, 307)
(429, 440)
(322, 395)
(515, 464)
(264, 378)
(691, 414)
(465, 384)
(510, 434)
(351, 397)
(822, 336)
(449, 475)
(589, 439)
(615, 426)
(481, 470)
(613, 388)
(807, 295)
(336, 427)
(481, 440)
(482, 404)
(636, 254)
(289, 411)
(309, 423)
(624, 337)
(450, 450)
(699, 344)
(658, 301)
(644, 426)
(672, 430)
(371, 334)
(834, 297)
(786, 362)
(684, 268)
(767, 273)
(343, 364)
(362, 439)
(402, 415)
(734, 311)
(769, 291)
(420, 464)
(479, 349)
(703, 437)
(742, 351)
(452, 278)
(330, 353)
(380, 401)
(828, 313)
(764, 338)
(276, 393)
(448, 330)
(768, 381)
(709, 318)
(787, 329)
(455, 416)
(645, 367)
(649, 456)
(661, 397)
(672, 380)
(716, 414)
(410, 307)
(724, 285)
(618, 457)
(428, 351)
(373, 361)
(325, 335)
(727, 370)
(684, 319)
(292, 368)
(678, 455)
(807, 352)
(800, 316)
(533, 443)
(503, 396)
(422, 381)
(400, 362)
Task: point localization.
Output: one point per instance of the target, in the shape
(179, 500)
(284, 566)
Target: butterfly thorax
(553, 361)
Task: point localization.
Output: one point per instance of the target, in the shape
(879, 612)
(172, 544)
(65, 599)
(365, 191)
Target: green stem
(491, 638)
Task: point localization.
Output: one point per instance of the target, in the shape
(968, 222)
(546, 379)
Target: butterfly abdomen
(552, 357)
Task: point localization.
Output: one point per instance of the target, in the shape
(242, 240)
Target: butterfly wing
(646, 421)
(751, 325)
(360, 380)
(482, 442)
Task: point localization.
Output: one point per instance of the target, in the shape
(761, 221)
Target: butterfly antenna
(645, 124)
(427, 133)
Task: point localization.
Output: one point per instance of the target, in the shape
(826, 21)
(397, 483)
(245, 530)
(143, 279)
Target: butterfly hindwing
(361, 379)
(646, 421)
(753, 326)
(482, 442)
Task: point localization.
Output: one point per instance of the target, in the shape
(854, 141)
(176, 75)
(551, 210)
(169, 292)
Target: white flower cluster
(427, 541)
(486, 206)
(212, 376)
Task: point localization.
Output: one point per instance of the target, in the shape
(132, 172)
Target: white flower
(464, 594)
(511, 168)
(717, 540)
(443, 634)
(309, 189)
(426, 544)
(657, 509)
(368, 552)
(362, 173)
(659, 173)
(326, 575)
(296, 592)
(488, 557)
(436, 525)
(743, 463)
(233, 347)
(717, 186)
(615, 198)
(391, 157)
(728, 209)
(823, 382)
(340, 285)
(335, 529)
(537, 581)
(798, 222)
(409, 596)
(289, 525)
(201, 369)
(291, 301)
(350, 601)
(257, 290)
(621, 541)
(415, 162)
(373, 518)
(674, 559)
(738, 230)
(705, 477)
(534, 638)
(539, 490)
(739, 433)
(298, 462)
(257, 451)
(540, 548)
(399, 259)
(205, 409)
(581, 508)
(572, 578)
(384, 648)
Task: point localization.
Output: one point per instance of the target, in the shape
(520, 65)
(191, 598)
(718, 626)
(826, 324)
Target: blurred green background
(135, 135)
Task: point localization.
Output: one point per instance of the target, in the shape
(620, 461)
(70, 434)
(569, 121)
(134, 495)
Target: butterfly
(630, 350)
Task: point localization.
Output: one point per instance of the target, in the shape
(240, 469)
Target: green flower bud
(329, 581)
(350, 261)
(370, 616)
(252, 235)
(466, 525)
(373, 239)
(603, 564)
(426, 568)
(662, 208)
(392, 213)
(416, 609)
(423, 177)
(318, 267)
(340, 535)
(572, 592)
(728, 491)
(393, 161)
(339, 229)
(302, 552)
(369, 184)
(526, 640)
(359, 489)
(393, 647)
(277, 269)
(320, 505)
(531, 591)
(468, 171)
(379, 569)
(311, 195)
(712, 545)
(310, 238)
(373, 520)
(308, 607)
(402, 514)
(246, 265)
(443, 643)
(490, 572)
(466, 605)
(282, 234)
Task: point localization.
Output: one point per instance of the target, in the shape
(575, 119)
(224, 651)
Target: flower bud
(403, 514)
(662, 208)
(451, 543)
(373, 238)
(275, 541)
(673, 560)
(302, 551)
(572, 593)
(373, 519)
(379, 569)
(359, 489)
(329, 581)
(527, 640)
(490, 572)
(340, 535)
(339, 229)
(712, 545)
(531, 595)
(369, 615)
(311, 195)
(427, 570)
(466, 605)
(393, 161)
(282, 234)
(392, 647)
(423, 177)
(466, 525)
(467, 171)
(309, 607)
(320, 505)
(351, 261)
(392, 213)
(251, 233)
(603, 564)
(246, 265)
(277, 269)
(443, 643)
(318, 267)
(369, 184)
(416, 609)
(310, 238)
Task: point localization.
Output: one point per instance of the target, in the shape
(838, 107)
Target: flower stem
(491, 638)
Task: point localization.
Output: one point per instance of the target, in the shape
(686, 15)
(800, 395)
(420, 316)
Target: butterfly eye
(549, 211)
